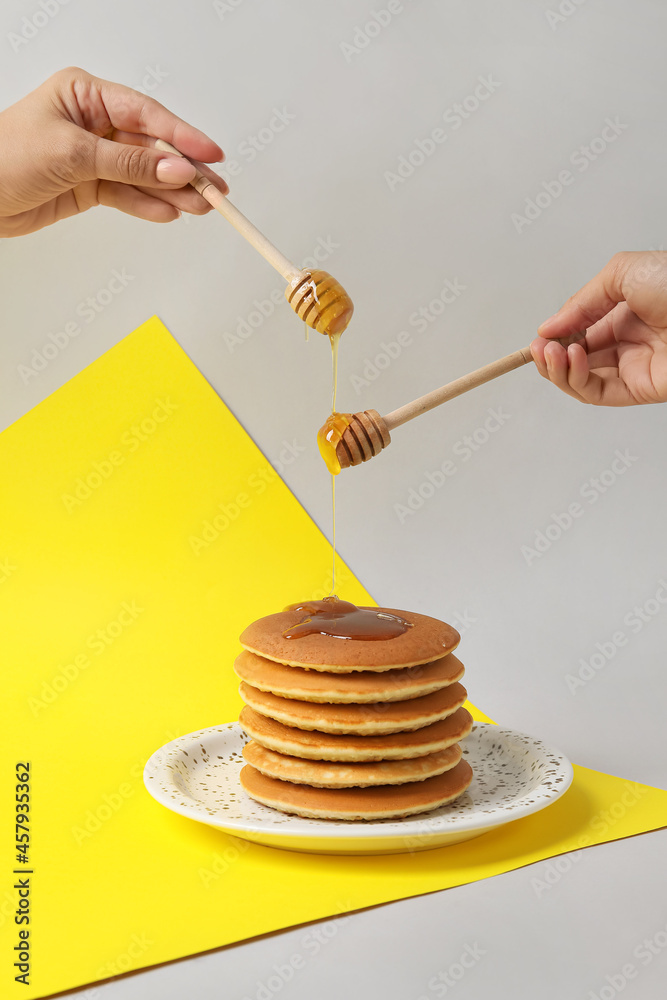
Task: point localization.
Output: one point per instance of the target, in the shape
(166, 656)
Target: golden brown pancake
(428, 639)
(355, 688)
(328, 774)
(364, 720)
(378, 802)
(333, 746)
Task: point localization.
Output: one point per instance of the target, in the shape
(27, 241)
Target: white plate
(514, 775)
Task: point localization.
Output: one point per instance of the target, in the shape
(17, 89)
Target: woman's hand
(78, 141)
(623, 312)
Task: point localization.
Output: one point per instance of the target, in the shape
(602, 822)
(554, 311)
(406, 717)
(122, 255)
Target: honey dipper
(352, 438)
(317, 298)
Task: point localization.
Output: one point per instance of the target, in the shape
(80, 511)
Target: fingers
(586, 385)
(102, 102)
(135, 202)
(571, 371)
(80, 156)
(90, 110)
(537, 350)
(591, 302)
(184, 199)
(556, 368)
(198, 204)
(135, 112)
(599, 343)
(140, 166)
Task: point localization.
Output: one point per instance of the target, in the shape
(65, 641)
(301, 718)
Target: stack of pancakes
(353, 729)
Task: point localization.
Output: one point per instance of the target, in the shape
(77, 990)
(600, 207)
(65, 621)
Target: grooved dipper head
(364, 437)
(320, 301)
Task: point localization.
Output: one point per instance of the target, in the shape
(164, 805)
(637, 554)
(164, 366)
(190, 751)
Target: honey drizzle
(335, 342)
(333, 536)
(328, 438)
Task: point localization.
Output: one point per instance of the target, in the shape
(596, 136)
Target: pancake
(428, 639)
(358, 687)
(315, 745)
(327, 774)
(372, 719)
(379, 802)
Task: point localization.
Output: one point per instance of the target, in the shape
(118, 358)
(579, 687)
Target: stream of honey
(335, 343)
(328, 437)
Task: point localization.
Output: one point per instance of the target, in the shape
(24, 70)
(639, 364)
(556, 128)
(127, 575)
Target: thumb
(591, 302)
(136, 165)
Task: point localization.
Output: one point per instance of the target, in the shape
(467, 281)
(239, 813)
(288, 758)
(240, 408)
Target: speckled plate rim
(464, 823)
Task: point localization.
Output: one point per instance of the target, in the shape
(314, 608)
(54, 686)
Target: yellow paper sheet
(141, 530)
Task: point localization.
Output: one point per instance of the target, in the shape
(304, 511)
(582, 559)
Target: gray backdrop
(453, 251)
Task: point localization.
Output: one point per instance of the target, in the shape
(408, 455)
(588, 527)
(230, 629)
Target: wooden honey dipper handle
(248, 231)
(367, 433)
(470, 381)
(457, 387)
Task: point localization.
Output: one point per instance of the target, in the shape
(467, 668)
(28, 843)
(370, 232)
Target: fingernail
(175, 171)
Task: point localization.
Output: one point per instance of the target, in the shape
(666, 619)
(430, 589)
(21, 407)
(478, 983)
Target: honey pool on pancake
(344, 620)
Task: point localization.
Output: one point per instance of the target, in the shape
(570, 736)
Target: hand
(624, 309)
(59, 158)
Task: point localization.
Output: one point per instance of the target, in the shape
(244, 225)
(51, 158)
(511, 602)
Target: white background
(359, 105)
